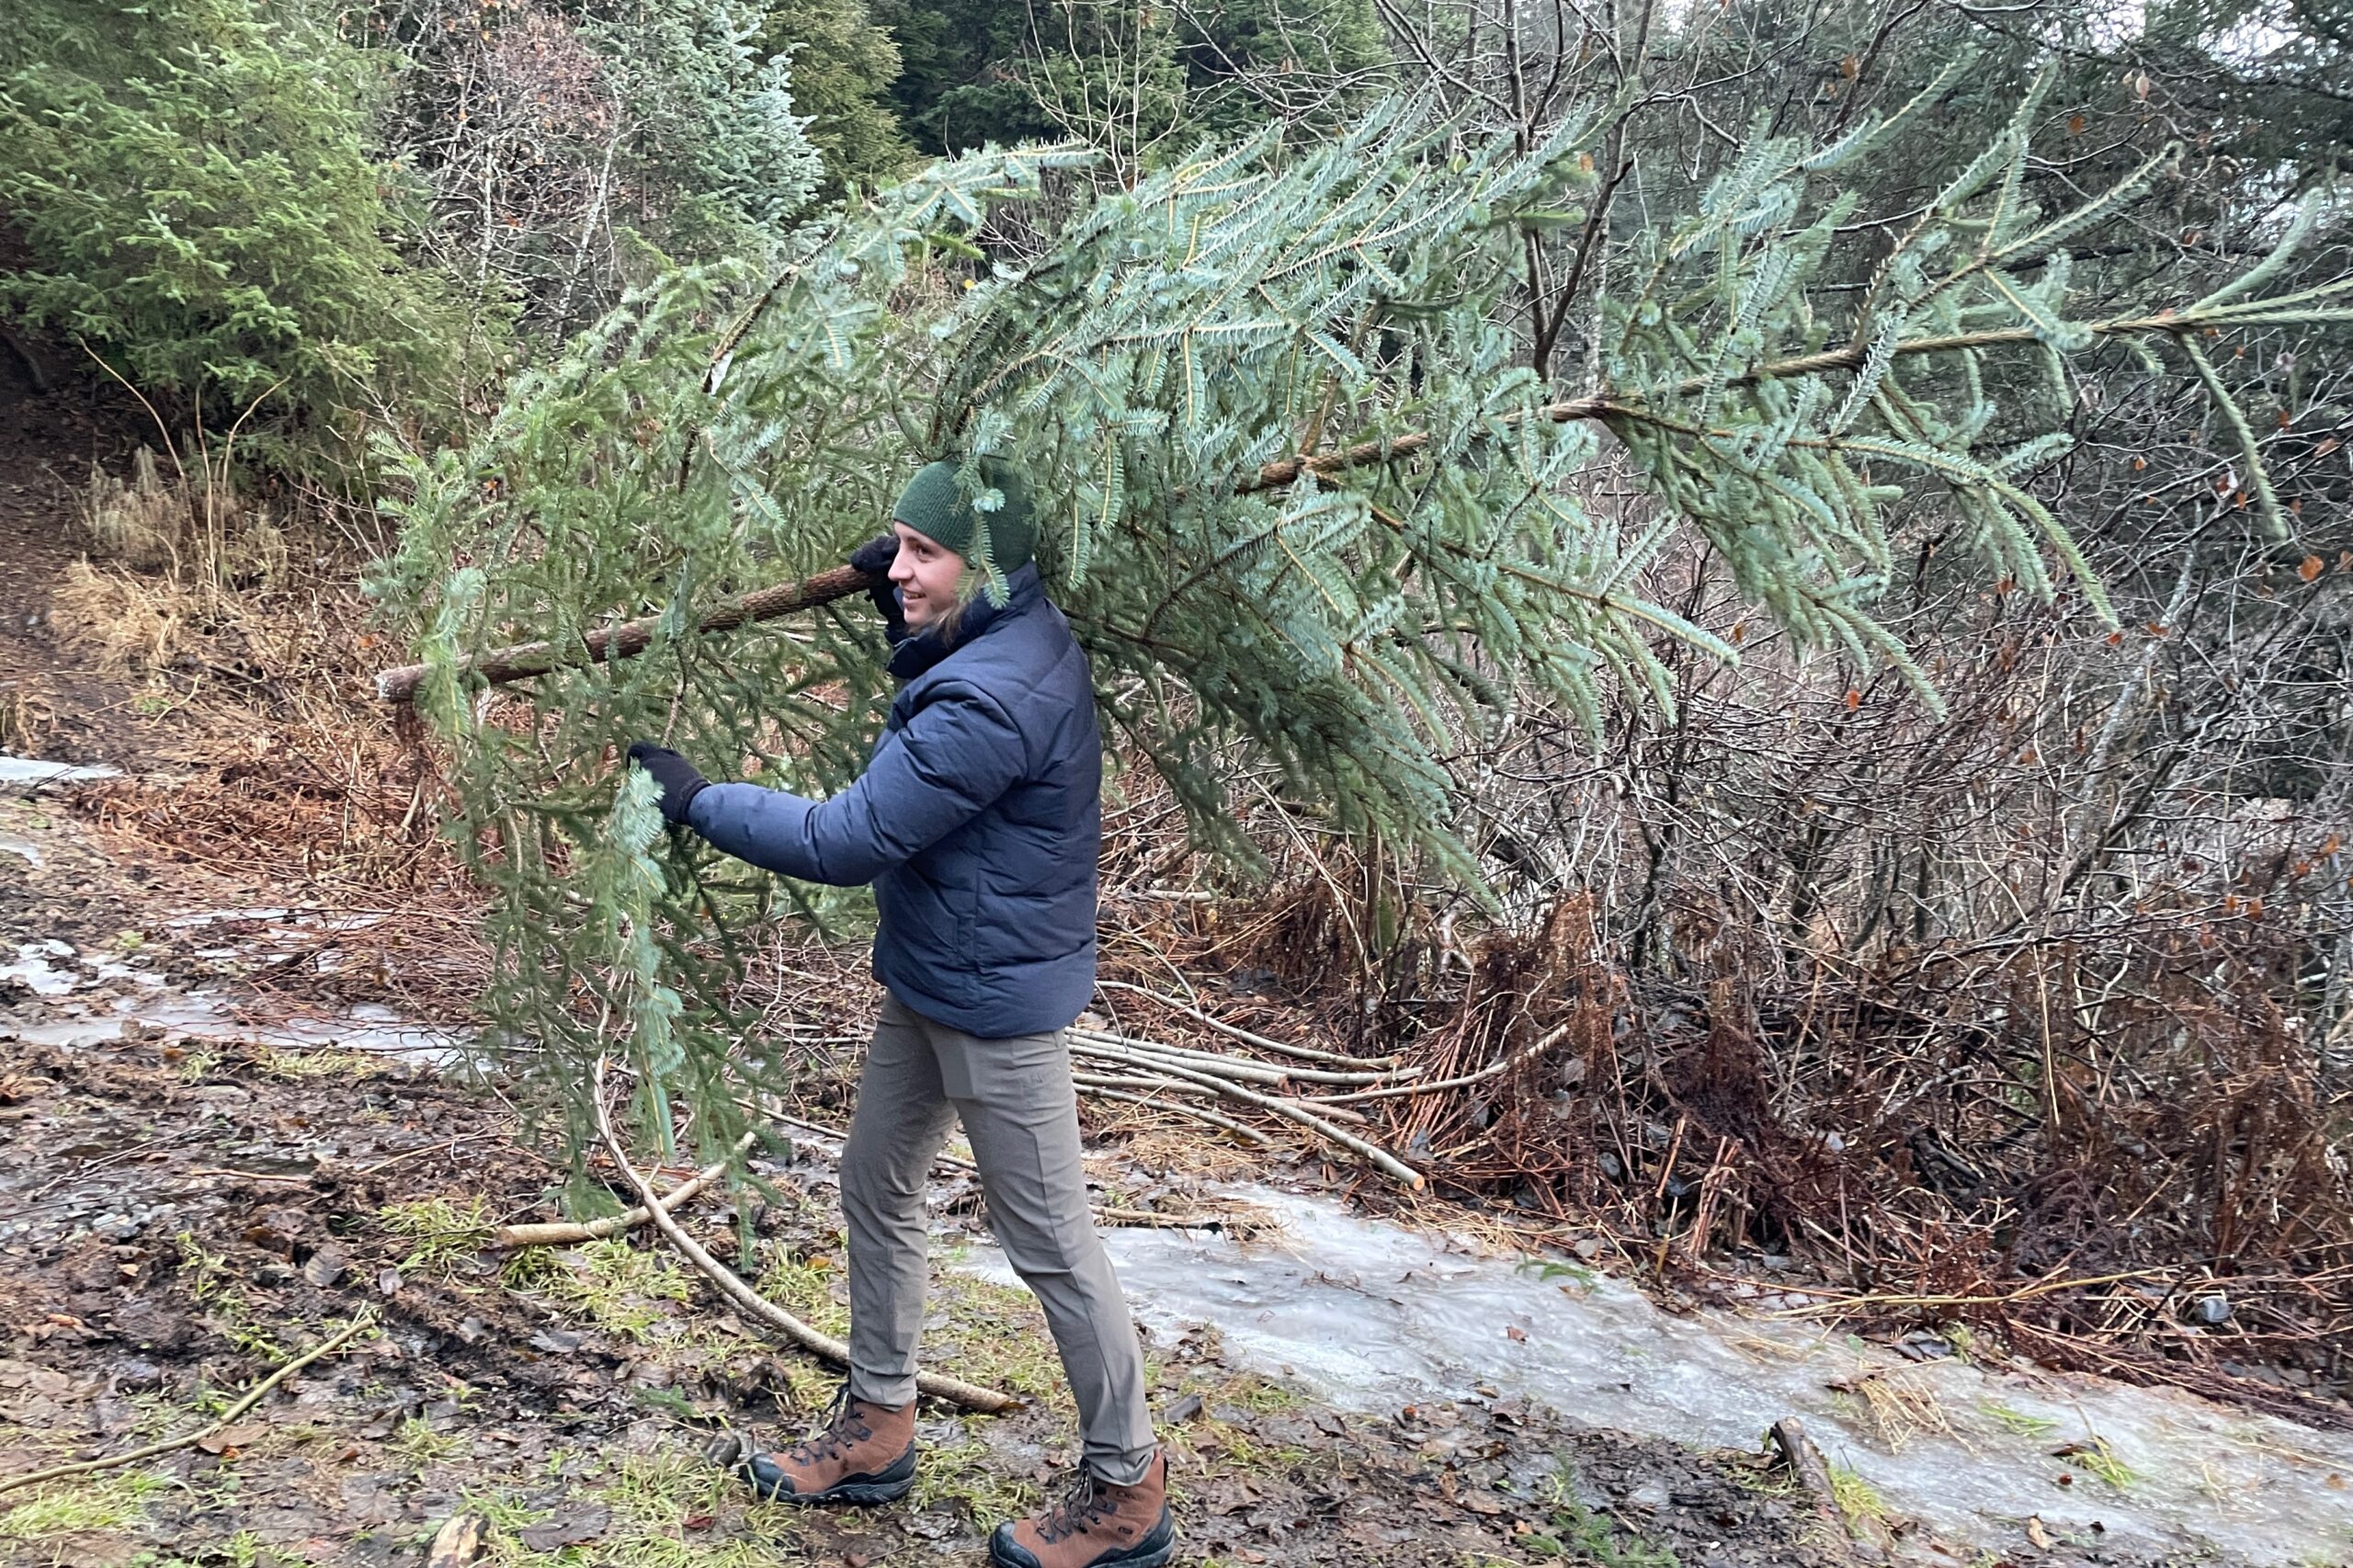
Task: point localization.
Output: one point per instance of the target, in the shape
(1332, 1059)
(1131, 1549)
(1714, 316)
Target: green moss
(2018, 1422)
(1575, 1533)
(2096, 1458)
(654, 1501)
(1238, 1450)
(205, 1272)
(1248, 1391)
(966, 1475)
(501, 1510)
(621, 1289)
(296, 1066)
(100, 1503)
(804, 1287)
(211, 1281)
(443, 1236)
(418, 1443)
(996, 1335)
(1858, 1501)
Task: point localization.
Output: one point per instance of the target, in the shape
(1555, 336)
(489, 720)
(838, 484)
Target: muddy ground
(183, 1209)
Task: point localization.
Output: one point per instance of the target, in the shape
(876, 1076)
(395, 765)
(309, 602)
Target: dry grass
(1174, 1151)
(199, 531)
(247, 654)
(131, 624)
(175, 561)
(139, 521)
(24, 719)
(1901, 1405)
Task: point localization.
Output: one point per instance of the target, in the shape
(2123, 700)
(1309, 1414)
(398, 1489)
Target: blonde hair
(968, 584)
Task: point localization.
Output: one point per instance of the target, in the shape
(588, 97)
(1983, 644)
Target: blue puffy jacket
(978, 822)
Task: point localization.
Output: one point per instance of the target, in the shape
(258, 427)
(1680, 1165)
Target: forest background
(2006, 964)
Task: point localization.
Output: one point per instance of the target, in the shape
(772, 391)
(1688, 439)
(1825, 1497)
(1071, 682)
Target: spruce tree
(1303, 498)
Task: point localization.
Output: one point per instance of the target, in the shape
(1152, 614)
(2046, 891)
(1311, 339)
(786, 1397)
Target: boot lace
(1085, 1503)
(844, 1427)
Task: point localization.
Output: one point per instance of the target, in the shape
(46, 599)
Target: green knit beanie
(933, 506)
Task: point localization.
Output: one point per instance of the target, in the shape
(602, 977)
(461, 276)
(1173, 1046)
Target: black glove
(680, 783)
(874, 557)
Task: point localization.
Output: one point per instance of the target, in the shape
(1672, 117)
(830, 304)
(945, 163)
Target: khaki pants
(1020, 1112)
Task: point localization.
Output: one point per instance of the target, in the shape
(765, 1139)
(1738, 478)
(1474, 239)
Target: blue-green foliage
(713, 120)
(680, 451)
(1300, 492)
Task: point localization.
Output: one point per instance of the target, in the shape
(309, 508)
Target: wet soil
(186, 1212)
(182, 1210)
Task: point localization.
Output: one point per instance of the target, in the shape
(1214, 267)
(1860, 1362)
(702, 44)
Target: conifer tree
(1303, 499)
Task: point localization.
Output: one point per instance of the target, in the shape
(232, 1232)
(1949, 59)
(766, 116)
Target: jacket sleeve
(950, 762)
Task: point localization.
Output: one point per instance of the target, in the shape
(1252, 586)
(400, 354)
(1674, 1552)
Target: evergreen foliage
(195, 185)
(959, 84)
(715, 130)
(668, 456)
(843, 66)
(569, 148)
(1300, 492)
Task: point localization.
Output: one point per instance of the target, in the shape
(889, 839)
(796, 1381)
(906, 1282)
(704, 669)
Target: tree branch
(732, 1284)
(633, 637)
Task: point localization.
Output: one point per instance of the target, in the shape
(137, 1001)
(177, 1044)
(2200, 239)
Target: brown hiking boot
(1097, 1526)
(866, 1454)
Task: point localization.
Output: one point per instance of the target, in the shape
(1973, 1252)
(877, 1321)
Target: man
(978, 820)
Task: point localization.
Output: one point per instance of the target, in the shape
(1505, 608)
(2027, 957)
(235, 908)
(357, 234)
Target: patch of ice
(309, 918)
(384, 1034)
(25, 848)
(218, 916)
(36, 773)
(1376, 1316)
(33, 970)
(204, 1014)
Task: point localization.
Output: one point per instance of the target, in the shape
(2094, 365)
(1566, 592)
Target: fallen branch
(633, 637)
(1122, 1090)
(1373, 1154)
(1235, 1031)
(1492, 1070)
(1238, 1226)
(572, 1233)
(2024, 1294)
(971, 1396)
(1216, 1068)
(228, 1417)
(1238, 1072)
(1813, 1475)
(1211, 1060)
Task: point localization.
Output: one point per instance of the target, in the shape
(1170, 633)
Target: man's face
(926, 575)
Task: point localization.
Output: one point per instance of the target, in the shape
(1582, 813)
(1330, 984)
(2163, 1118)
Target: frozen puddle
(199, 1013)
(34, 969)
(81, 1013)
(1376, 1316)
(35, 773)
